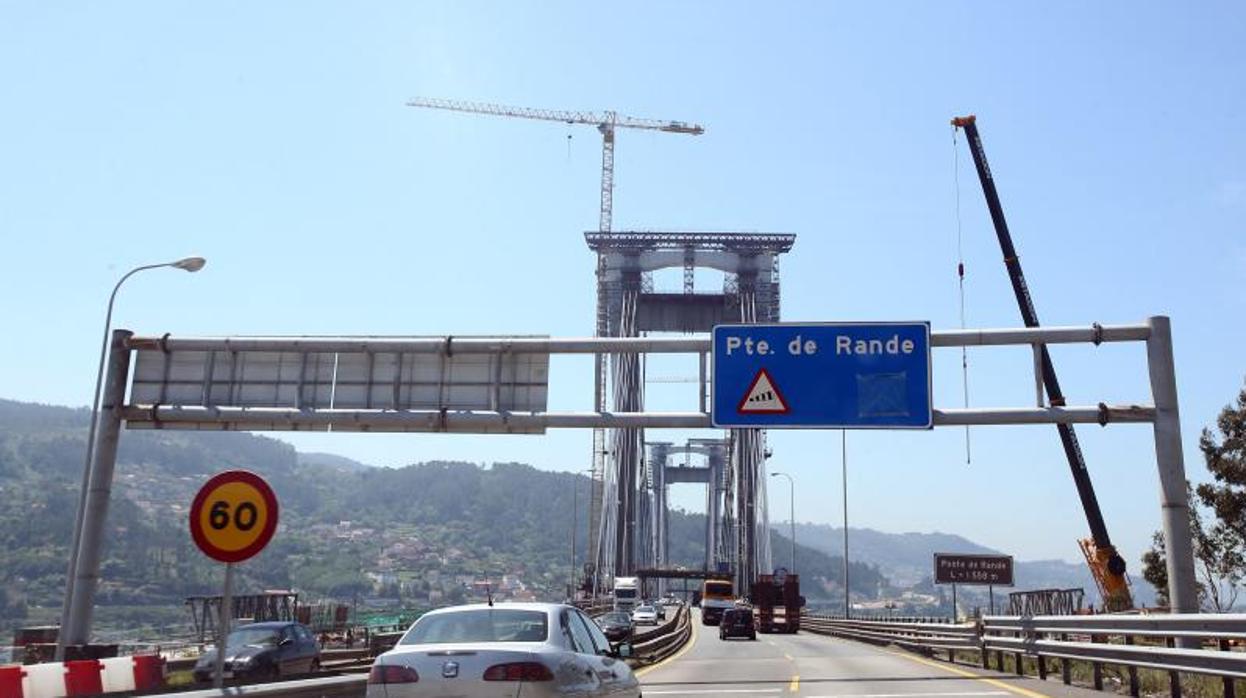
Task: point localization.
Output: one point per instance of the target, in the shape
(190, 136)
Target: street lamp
(843, 459)
(575, 506)
(190, 264)
(792, 511)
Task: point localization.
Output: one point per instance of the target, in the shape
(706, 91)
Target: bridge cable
(960, 276)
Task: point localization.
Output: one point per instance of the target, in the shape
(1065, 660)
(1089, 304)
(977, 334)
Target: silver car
(645, 615)
(503, 651)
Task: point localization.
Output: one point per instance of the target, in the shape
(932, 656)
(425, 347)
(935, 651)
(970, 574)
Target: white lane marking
(713, 691)
(953, 694)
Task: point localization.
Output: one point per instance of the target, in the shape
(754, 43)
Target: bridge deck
(818, 666)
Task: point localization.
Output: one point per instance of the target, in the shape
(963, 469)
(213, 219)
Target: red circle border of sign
(270, 525)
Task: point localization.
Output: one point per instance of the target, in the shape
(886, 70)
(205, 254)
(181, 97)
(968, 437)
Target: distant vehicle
(617, 625)
(645, 615)
(778, 602)
(717, 595)
(264, 651)
(737, 622)
(626, 593)
(660, 608)
(505, 650)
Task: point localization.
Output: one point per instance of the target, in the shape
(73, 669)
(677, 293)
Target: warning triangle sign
(762, 397)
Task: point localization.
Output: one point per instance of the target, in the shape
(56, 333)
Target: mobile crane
(1106, 564)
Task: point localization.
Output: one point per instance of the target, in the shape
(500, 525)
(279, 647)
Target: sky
(273, 140)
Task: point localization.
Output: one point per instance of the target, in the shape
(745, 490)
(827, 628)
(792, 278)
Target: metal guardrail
(649, 646)
(664, 640)
(905, 634)
(595, 608)
(330, 687)
(1181, 643)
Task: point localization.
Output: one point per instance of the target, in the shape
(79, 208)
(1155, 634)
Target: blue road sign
(826, 375)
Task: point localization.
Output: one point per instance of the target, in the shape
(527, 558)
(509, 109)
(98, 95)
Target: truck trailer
(777, 603)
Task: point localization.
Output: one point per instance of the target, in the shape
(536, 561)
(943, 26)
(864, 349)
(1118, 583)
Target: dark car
(264, 651)
(737, 622)
(616, 625)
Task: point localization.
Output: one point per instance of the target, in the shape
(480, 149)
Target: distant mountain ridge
(415, 536)
(411, 534)
(907, 559)
(331, 460)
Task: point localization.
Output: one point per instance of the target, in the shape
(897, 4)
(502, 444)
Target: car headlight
(243, 661)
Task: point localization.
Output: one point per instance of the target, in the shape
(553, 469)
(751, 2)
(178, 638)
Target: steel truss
(1163, 414)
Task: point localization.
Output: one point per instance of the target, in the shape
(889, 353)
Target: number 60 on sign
(233, 516)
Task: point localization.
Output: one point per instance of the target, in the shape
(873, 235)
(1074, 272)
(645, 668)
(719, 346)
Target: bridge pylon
(628, 512)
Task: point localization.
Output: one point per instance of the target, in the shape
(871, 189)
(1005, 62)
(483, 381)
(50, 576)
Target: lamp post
(190, 264)
(575, 506)
(792, 513)
(843, 455)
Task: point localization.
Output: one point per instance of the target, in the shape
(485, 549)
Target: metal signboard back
(367, 379)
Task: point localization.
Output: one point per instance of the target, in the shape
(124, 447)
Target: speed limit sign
(234, 516)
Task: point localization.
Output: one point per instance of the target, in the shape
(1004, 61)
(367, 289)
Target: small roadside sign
(233, 516)
(873, 375)
(981, 570)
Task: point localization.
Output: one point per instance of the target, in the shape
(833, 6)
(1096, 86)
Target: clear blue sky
(272, 139)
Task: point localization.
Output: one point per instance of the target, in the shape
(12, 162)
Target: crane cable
(960, 276)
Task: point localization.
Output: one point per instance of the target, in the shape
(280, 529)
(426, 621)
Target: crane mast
(1106, 564)
(607, 123)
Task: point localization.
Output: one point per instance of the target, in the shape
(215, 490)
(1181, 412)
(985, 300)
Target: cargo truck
(777, 603)
(717, 595)
(626, 593)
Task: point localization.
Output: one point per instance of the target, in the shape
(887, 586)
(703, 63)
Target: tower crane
(607, 122)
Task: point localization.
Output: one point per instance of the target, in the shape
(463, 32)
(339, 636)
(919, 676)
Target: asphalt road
(812, 665)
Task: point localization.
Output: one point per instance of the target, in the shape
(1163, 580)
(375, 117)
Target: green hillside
(412, 536)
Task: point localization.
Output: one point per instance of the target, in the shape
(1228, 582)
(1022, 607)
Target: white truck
(626, 593)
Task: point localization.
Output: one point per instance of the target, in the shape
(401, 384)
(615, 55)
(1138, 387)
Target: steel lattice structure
(630, 528)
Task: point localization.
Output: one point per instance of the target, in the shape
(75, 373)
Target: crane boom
(1106, 563)
(607, 119)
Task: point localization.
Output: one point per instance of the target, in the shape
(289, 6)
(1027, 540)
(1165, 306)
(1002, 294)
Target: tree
(1219, 543)
(1226, 461)
(1218, 567)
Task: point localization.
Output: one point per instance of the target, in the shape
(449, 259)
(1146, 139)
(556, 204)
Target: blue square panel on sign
(828, 375)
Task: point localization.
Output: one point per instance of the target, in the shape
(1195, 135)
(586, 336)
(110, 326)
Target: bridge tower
(628, 520)
(713, 475)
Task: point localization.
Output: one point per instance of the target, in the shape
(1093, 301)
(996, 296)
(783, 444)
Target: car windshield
(645, 609)
(616, 618)
(479, 625)
(252, 636)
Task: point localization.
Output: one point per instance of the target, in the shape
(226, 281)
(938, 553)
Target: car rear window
(479, 625)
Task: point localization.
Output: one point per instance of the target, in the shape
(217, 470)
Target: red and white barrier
(88, 677)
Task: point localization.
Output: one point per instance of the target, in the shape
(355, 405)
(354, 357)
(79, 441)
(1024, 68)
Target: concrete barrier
(85, 677)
